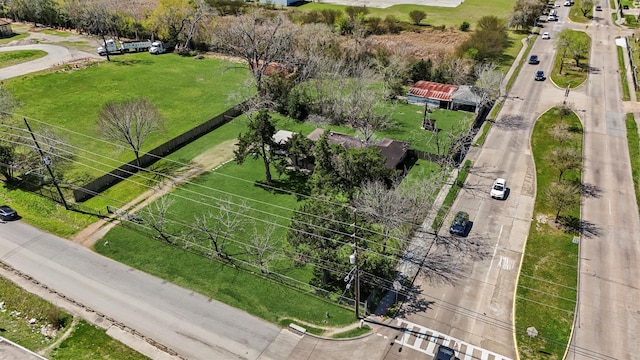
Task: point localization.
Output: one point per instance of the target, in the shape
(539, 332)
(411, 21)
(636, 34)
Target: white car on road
(546, 36)
(499, 189)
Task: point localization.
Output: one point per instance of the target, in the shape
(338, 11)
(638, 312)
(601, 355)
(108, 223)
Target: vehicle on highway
(598, 8)
(546, 36)
(499, 189)
(7, 213)
(460, 224)
(625, 7)
(539, 75)
(444, 353)
(567, 3)
(533, 59)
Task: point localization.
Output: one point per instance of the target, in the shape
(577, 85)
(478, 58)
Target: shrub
(417, 16)
(392, 24)
(465, 26)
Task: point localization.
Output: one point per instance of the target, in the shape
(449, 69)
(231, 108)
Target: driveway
(56, 55)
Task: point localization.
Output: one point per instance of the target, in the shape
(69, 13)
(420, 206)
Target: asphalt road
(607, 324)
(194, 326)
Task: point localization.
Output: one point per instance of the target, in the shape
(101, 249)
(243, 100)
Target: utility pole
(47, 162)
(353, 259)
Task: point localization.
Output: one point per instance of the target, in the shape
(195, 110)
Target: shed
(466, 99)
(5, 29)
(431, 93)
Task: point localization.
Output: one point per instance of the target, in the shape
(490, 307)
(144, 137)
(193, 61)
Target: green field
(546, 293)
(469, 10)
(187, 92)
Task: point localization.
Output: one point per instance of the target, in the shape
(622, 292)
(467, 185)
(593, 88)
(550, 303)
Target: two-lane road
(193, 325)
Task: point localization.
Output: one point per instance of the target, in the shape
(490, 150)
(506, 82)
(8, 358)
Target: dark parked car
(7, 213)
(533, 59)
(460, 224)
(625, 7)
(598, 8)
(445, 353)
(540, 75)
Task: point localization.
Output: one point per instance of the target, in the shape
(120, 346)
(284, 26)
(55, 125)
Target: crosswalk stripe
(434, 338)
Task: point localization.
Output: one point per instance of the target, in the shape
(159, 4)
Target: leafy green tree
(417, 16)
(421, 70)
(586, 6)
(257, 141)
(320, 232)
(169, 19)
(488, 42)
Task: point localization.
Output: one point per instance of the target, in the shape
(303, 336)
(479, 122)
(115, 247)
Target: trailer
(123, 47)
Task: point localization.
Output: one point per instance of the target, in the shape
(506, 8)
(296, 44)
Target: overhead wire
(304, 195)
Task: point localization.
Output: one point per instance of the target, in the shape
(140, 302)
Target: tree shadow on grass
(295, 183)
(575, 225)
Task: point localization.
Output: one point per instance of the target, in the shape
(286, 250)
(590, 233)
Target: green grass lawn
(187, 92)
(546, 294)
(10, 58)
(572, 75)
(470, 11)
(626, 95)
(88, 342)
(575, 14)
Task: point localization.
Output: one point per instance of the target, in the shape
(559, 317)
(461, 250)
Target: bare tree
(259, 39)
(382, 206)
(201, 13)
(156, 218)
(560, 133)
(419, 196)
(564, 159)
(488, 84)
(264, 247)
(561, 196)
(218, 226)
(129, 123)
(8, 103)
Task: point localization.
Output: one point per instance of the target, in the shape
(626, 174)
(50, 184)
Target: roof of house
(393, 151)
(433, 90)
(467, 95)
(282, 136)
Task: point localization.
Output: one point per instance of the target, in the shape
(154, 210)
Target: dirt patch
(216, 156)
(208, 160)
(428, 43)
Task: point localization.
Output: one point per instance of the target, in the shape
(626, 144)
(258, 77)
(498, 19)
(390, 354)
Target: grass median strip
(634, 153)
(546, 293)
